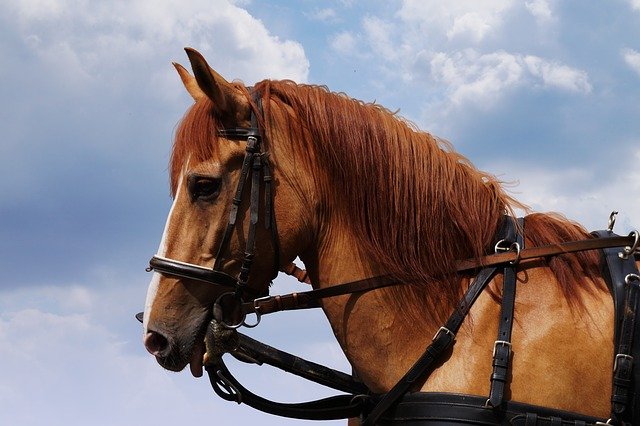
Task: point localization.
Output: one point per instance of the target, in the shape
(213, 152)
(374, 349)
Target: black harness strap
(624, 280)
(441, 342)
(502, 345)
(447, 409)
(444, 338)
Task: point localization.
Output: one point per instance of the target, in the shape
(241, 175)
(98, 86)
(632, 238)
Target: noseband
(256, 164)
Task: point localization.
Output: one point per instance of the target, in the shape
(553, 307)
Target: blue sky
(541, 93)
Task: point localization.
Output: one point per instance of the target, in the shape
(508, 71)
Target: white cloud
(378, 33)
(635, 4)
(324, 15)
(67, 360)
(574, 192)
(83, 40)
(541, 10)
(554, 74)
(467, 19)
(632, 58)
(343, 43)
(482, 79)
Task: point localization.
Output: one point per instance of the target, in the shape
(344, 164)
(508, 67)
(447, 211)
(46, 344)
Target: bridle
(256, 164)
(222, 336)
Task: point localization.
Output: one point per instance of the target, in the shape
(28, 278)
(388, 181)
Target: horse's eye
(203, 188)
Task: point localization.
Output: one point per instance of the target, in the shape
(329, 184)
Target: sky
(543, 94)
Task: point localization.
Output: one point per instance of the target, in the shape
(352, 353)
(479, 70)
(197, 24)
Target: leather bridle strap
(311, 298)
(256, 162)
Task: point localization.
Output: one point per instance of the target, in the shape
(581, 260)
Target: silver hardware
(513, 246)
(618, 356)
(217, 314)
(609, 422)
(249, 325)
(498, 247)
(360, 397)
(631, 277)
(517, 248)
(627, 251)
(501, 343)
(446, 331)
(612, 221)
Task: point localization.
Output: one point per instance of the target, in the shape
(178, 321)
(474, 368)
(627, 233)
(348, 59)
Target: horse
(359, 192)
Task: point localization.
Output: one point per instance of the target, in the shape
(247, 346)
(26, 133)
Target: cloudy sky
(541, 93)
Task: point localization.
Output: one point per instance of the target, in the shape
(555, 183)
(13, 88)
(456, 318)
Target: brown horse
(360, 192)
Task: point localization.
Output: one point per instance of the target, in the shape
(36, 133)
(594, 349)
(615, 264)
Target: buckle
(619, 356)
(501, 247)
(446, 331)
(500, 343)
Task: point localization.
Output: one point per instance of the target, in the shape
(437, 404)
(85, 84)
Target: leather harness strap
(546, 251)
(623, 279)
(502, 345)
(440, 343)
(303, 300)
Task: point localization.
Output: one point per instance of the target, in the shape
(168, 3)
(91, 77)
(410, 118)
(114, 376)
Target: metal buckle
(501, 343)
(512, 246)
(498, 247)
(609, 422)
(446, 331)
(618, 356)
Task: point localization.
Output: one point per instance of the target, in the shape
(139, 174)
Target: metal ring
(631, 277)
(246, 324)
(517, 248)
(218, 313)
(627, 251)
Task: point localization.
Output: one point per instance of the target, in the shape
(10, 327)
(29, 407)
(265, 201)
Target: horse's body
(360, 193)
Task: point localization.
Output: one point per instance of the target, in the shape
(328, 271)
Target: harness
(400, 405)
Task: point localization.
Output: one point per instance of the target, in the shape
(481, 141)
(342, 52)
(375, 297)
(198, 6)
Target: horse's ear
(212, 84)
(189, 82)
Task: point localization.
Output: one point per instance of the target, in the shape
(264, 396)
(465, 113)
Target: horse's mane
(415, 205)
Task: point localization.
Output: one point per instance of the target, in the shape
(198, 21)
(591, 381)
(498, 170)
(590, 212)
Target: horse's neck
(376, 340)
(553, 346)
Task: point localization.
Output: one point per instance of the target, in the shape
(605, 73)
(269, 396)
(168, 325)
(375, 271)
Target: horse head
(222, 218)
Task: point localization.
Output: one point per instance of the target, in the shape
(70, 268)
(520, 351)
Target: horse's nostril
(156, 344)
